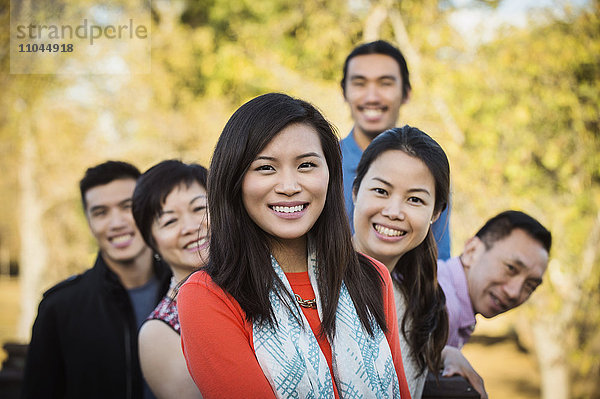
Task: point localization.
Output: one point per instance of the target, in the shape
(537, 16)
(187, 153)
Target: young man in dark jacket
(84, 339)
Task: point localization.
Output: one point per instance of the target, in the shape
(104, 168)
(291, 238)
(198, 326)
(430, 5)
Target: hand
(456, 363)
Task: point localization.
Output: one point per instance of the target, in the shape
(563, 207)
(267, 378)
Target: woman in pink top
(285, 307)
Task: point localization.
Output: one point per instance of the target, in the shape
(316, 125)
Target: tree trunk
(550, 349)
(376, 16)
(33, 255)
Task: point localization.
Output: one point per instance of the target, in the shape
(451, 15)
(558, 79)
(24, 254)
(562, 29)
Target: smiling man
(500, 267)
(84, 339)
(375, 85)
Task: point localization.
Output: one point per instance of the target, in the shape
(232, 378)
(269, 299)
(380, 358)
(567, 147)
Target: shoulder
(349, 145)
(380, 267)
(66, 284)
(200, 288)
(346, 140)
(447, 270)
(154, 330)
(68, 288)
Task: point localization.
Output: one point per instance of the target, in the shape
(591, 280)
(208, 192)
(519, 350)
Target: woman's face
(180, 230)
(284, 189)
(393, 207)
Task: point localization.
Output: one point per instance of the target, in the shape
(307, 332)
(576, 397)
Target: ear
(435, 217)
(473, 250)
(406, 98)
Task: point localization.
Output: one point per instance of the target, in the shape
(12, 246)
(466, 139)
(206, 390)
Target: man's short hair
(105, 173)
(501, 225)
(385, 48)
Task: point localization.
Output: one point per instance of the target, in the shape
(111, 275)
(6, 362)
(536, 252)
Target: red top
(220, 353)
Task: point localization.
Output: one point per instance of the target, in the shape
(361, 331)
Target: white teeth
(372, 113)
(121, 239)
(389, 232)
(196, 244)
(288, 209)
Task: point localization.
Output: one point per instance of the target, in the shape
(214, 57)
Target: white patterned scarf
(292, 361)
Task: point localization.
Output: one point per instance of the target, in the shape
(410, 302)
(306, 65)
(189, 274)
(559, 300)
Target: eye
(264, 168)
(380, 191)
(98, 213)
(416, 200)
(357, 83)
(169, 222)
(307, 165)
(530, 288)
(510, 268)
(200, 208)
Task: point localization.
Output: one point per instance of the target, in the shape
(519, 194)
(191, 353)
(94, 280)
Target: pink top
(461, 318)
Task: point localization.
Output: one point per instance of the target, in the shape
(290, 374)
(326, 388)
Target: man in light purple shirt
(498, 270)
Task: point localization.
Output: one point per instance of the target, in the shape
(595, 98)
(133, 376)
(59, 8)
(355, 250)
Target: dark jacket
(84, 339)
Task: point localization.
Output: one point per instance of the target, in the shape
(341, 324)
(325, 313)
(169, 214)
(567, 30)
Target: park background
(509, 88)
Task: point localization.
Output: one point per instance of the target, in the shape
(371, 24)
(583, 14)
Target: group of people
(297, 266)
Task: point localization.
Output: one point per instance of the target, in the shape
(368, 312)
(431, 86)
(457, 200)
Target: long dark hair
(239, 249)
(416, 271)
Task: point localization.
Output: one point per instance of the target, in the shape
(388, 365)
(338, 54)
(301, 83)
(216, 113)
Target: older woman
(170, 210)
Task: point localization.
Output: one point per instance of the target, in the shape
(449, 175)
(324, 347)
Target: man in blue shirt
(375, 85)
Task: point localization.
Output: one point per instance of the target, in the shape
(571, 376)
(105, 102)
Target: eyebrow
(383, 77)
(197, 197)
(412, 190)
(163, 212)
(305, 155)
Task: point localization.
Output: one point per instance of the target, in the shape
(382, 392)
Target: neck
(180, 273)
(133, 273)
(291, 254)
(389, 262)
(362, 139)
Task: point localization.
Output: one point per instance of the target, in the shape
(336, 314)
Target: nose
(393, 210)
(513, 288)
(288, 184)
(119, 219)
(191, 224)
(372, 93)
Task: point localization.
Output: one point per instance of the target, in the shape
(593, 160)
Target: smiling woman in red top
(285, 306)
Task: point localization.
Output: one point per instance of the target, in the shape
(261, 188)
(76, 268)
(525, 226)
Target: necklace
(306, 303)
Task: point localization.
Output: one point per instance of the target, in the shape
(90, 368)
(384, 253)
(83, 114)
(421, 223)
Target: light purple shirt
(461, 318)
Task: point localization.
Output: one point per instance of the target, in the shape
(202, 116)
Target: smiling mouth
(498, 303)
(122, 239)
(386, 231)
(288, 209)
(372, 112)
(196, 244)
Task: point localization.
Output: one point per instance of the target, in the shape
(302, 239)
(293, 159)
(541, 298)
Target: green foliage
(528, 104)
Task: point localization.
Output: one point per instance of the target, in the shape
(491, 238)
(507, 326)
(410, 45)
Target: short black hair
(385, 48)
(501, 225)
(105, 173)
(153, 187)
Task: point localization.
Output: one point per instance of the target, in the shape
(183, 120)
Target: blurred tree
(529, 103)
